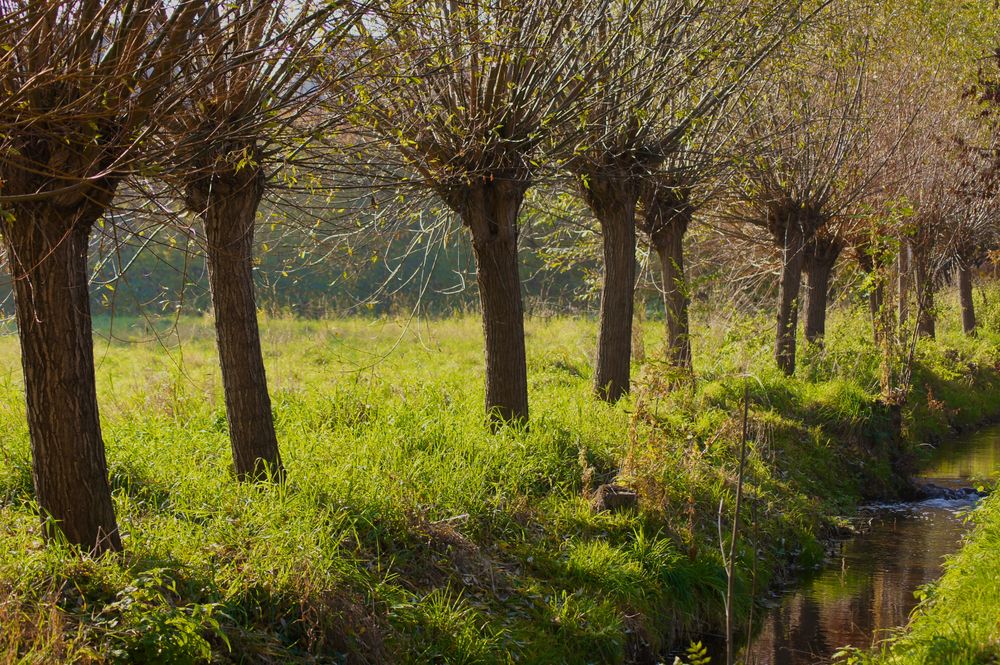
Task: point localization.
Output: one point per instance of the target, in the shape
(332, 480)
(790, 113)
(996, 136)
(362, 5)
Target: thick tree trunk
(229, 210)
(788, 300)
(821, 257)
(612, 372)
(668, 242)
(47, 251)
(667, 213)
(490, 210)
(965, 297)
(818, 288)
(613, 201)
(503, 328)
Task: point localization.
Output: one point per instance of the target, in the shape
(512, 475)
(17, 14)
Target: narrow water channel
(867, 586)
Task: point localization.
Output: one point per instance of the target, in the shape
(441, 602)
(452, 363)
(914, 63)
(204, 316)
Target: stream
(866, 588)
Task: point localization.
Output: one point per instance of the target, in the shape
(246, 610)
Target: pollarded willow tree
(823, 141)
(977, 235)
(675, 65)
(942, 190)
(685, 182)
(933, 47)
(479, 88)
(264, 93)
(951, 223)
(790, 190)
(83, 86)
(667, 209)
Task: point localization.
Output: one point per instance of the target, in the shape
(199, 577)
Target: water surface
(867, 587)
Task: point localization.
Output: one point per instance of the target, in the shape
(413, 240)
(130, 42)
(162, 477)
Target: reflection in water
(968, 460)
(867, 587)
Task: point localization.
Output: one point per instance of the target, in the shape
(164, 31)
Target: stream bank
(872, 581)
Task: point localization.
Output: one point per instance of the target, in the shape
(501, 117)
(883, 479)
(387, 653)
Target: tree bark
(925, 304)
(876, 297)
(503, 329)
(925, 322)
(667, 213)
(818, 287)
(788, 299)
(669, 245)
(47, 250)
(821, 257)
(490, 210)
(903, 285)
(965, 297)
(612, 372)
(613, 201)
(228, 209)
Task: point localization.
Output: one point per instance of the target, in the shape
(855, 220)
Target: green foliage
(144, 623)
(442, 626)
(696, 654)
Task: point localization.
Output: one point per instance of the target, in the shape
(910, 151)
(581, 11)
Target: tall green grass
(408, 532)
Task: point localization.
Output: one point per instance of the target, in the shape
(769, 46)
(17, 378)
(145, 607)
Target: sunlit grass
(407, 532)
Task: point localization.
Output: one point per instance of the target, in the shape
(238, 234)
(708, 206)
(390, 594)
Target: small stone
(613, 498)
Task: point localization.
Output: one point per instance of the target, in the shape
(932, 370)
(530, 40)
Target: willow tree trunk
(229, 209)
(668, 241)
(503, 330)
(876, 300)
(490, 210)
(821, 257)
(876, 297)
(788, 300)
(612, 372)
(817, 290)
(965, 298)
(613, 201)
(925, 300)
(47, 251)
(925, 320)
(903, 284)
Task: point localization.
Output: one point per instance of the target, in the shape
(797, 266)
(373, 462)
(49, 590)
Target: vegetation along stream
(869, 582)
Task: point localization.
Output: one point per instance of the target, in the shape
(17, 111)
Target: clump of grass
(42, 625)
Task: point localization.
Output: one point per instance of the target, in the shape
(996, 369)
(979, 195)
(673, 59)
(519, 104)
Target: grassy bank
(409, 533)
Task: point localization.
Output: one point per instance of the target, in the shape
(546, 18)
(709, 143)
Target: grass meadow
(409, 533)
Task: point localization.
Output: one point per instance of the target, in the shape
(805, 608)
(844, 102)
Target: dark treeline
(432, 277)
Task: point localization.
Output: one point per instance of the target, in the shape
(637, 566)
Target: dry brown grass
(39, 632)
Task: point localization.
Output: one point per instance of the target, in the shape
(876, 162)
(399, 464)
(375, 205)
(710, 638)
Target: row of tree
(815, 126)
